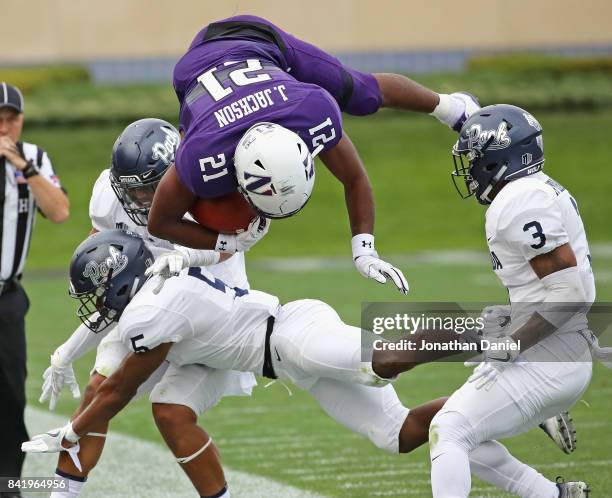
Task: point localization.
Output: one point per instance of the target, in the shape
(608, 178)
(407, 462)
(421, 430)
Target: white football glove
(170, 264)
(492, 362)
(371, 266)
(245, 240)
(56, 377)
(495, 319)
(51, 442)
(454, 109)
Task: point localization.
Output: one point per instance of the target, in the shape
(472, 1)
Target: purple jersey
(243, 71)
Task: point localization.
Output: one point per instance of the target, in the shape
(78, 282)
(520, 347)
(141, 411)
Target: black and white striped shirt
(18, 209)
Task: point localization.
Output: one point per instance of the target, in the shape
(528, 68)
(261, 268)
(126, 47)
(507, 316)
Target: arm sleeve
(103, 204)
(146, 326)
(533, 224)
(80, 342)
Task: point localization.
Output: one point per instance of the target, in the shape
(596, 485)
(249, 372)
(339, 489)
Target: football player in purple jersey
(244, 70)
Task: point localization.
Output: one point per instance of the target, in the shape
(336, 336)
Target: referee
(27, 182)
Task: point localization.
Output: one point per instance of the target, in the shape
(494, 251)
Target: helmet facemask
(93, 312)
(474, 179)
(135, 196)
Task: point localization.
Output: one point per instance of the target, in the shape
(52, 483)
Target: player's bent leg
(310, 342)
(415, 429)
(192, 447)
(374, 412)
(493, 463)
(184, 393)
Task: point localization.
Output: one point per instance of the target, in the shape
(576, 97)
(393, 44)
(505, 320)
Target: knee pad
(450, 428)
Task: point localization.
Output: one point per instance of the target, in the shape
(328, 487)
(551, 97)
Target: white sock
(74, 486)
(449, 109)
(493, 463)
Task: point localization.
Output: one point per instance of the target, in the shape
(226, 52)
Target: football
(228, 214)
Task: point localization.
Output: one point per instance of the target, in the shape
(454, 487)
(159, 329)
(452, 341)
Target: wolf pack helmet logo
(477, 137)
(165, 150)
(97, 272)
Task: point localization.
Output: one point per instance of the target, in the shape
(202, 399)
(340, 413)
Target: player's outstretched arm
(345, 164)
(60, 373)
(400, 92)
(111, 397)
(117, 391)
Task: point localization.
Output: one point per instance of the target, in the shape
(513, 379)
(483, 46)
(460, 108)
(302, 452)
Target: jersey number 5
(138, 349)
(538, 234)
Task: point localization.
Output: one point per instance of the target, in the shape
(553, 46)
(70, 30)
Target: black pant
(13, 308)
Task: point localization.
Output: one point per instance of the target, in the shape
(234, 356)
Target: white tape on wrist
(363, 245)
(443, 109)
(226, 243)
(197, 453)
(70, 435)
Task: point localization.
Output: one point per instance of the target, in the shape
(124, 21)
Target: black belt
(268, 369)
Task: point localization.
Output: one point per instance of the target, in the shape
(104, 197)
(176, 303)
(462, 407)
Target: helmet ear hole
(490, 167)
(122, 290)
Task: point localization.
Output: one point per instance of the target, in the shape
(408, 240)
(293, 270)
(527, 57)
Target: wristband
(363, 245)
(226, 243)
(30, 170)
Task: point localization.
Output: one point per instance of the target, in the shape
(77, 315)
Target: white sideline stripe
(130, 467)
(436, 257)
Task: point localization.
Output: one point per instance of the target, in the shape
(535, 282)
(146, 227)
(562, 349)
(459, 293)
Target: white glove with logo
(51, 442)
(494, 360)
(495, 319)
(58, 375)
(371, 266)
(245, 240)
(170, 264)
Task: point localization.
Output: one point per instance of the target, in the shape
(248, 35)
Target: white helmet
(275, 170)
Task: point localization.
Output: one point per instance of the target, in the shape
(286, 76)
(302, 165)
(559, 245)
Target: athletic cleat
(572, 489)
(471, 106)
(562, 431)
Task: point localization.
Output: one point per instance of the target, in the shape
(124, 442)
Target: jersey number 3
(538, 234)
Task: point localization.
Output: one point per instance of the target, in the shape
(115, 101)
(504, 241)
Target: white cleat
(562, 431)
(573, 489)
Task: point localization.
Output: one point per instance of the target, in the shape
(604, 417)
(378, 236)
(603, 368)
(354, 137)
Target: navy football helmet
(141, 155)
(500, 143)
(106, 271)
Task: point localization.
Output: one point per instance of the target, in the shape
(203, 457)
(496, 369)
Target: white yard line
(134, 468)
(601, 251)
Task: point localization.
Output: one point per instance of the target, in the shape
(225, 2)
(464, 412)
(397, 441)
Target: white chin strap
(485, 195)
(197, 453)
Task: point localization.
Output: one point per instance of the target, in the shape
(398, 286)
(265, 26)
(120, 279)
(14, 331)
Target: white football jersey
(210, 323)
(531, 216)
(107, 213)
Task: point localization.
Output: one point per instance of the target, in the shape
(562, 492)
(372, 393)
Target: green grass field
(290, 439)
